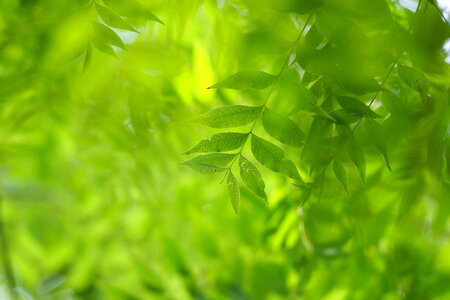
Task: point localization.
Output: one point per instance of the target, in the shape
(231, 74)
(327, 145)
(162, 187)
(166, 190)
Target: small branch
(6, 258)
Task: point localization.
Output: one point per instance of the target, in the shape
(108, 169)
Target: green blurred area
(95, 203)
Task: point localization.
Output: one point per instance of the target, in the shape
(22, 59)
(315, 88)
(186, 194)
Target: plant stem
(6, 258)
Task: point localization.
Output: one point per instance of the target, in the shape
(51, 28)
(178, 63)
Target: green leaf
(252, 177)
(341, 174)
(233, 189)
(414, 78)
(246, 79)
(103, 35)
(356, 155)
(345, 117)
(229, 116)
(112, 19)
(220, 142)
(282, 128)
(272, 157)
(210, 163)
(132, 9)
(355, 106)
(375, 131)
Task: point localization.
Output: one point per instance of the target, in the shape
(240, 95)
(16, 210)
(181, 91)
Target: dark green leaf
(246, 79)
(272, 157)
(210, 163)
(340, 173)
(355, 106)
(112, 19)
(282, 128)
(233, 189)
(252, 177)
(345, 117)
(220, 142)
(229, 116)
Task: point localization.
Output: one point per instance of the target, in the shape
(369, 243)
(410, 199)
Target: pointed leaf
(112, 19)
(220, 142)
(210, 163)
(132, 9)
(282, 128)
(356, 154)
(414, 78)
(272, 157)
(233, 189)
(252, 177)
(229, 116)
(340, 174)
(246, 79)
(105, 35)
(375, 131)
(355, 106)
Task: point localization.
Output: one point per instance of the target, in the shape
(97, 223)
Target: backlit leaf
(356, 154)
(246, 79)
(414, 78)
(210, 163)
(229, 116)
(220, 142)
(355, 106)
(105, 35)
(272, 157)
(132, 9)
(252, 177)
(375, 131)
(233, 189)
(112, 19)
(282, 128)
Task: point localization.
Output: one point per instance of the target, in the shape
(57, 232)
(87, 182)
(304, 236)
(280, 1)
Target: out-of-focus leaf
(282, 128)
(112, 19)
(356, 154)
(233, 189)
(246, 79)
(345, 117)
(341, 174)
(414, 78)
(210, 163)
(355, 106)
(229, 116)
(375, 131)
(272, 157)
(252, 177)
(220, 142)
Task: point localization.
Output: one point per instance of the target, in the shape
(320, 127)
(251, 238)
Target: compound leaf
(210, 163)
(220, 142)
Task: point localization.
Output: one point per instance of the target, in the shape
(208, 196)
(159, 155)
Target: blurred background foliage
(95, 103)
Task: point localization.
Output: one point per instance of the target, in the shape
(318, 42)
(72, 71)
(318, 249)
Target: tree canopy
(319, 129)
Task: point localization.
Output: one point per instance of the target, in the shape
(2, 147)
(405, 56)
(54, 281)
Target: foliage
(326, 121)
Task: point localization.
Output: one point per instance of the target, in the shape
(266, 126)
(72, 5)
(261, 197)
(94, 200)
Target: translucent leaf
(103, 35)
(229, 116)
(220, 142)
(375, 131)
(210, 163)
(132, 9)
(233, 189)
(282, 128)
(345, 117)
(414, 78)
(252, 177)
(340, 173)
(112, 19)
(355, 106)
(356, 154)
(246, 79)
(272, 157)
